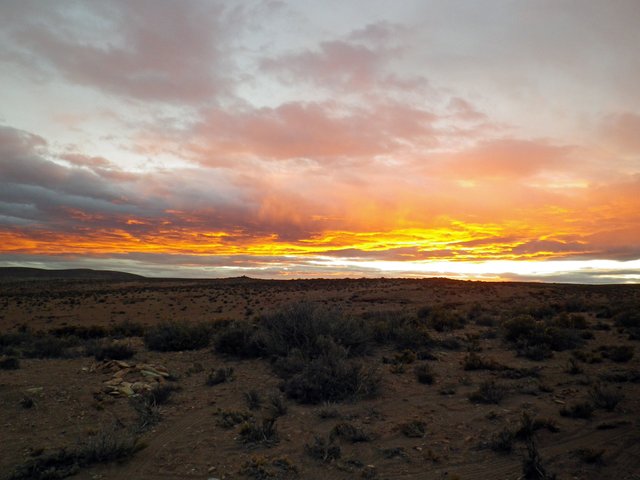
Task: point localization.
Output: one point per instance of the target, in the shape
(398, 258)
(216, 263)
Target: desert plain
(122, 377)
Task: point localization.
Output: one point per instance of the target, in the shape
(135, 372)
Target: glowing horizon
(281, 139)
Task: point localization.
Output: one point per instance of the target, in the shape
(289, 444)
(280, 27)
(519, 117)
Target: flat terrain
(498, 364)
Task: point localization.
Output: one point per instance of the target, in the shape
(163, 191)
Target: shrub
(278, 405)
(627, 319)
(424, 374)
(489, 392)
(323, 450)
(332, 378)
(605, 398)
(160, 394)
(253, 399)
(445, 320)
(349, 432)
(303, 328)
(221, 375)
(502, 442)
(590, 455)
(528, 426)
(239, 339)
(9, 363)
(617, 353)
(473, 361)
(79, 331)
(259, 432)
(414, 429)
(578, 410)
(231, 418)
(107, 446)
(259, 468)
(127, 328)
(48, 346)
(110, 351)
(532, 468)
(573, 368)
(174, 336)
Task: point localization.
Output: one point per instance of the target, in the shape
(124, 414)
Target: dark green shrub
(253, 399)
(106, 447)
(323, 450)
(302, 328)
(221, 375)
(174, 336)
(445, 320)
(578, 410)
(605, 398)
(127, 328)
(617, 353)
(264, 432)
(503, 441)
(110, 351)
(332, 378)
(80, 331)
(231, 418)
(48, 346)
(424, 374)
(414, 429)
(278, 405)
(349, 432)
(9, 363)
(240, 339)
(473, 361)
(489, 392)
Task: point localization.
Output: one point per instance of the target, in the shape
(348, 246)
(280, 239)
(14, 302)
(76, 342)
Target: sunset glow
(477, 140)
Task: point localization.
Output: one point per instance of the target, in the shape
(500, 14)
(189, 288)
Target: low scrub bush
(617, 353)
(174, 336)
(9, 363)
(414, 429)
(333, 379)
(605, 397)
(425, 374)
(489, 392)
(473, 361)
(503, 441)
(106, 447)
(231, 418)
(324, 450)
(110, 351)
(578, 410)
(220, 375)
(263, 432)
(349, 432)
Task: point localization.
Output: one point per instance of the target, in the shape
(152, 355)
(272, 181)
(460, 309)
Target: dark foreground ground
(319, 379)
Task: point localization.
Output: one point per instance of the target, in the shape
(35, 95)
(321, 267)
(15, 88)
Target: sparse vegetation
(106, 447)
(220, 375)
(263, 432)
(489, 392)
(414, 429)
(324, 450)
(425, 374)
(175, 336)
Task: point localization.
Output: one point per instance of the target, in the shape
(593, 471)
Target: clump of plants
(489, 392)
(176, 336)
(220, 375)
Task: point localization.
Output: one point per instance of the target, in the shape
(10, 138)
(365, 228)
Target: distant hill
(8, 274)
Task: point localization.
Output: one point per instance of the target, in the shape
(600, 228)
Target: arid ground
(318, 379)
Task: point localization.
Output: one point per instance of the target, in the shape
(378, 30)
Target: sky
(495, 140)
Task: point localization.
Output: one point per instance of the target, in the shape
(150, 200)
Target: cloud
(146, 50)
